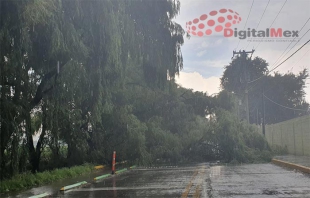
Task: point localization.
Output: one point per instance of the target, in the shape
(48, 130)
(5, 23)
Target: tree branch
(40, 90)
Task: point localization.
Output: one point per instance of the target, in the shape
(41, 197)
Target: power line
(263, 14)
(246, 21)
(292, 42)
(274, 20)
(259, 21)
(270, 71)
(281, 62)
(254, 85)
(300, 59)
(291, 47)
(290, 56)
(284, 50)
(283, 105)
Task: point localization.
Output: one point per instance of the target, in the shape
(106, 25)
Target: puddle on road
(270, 192)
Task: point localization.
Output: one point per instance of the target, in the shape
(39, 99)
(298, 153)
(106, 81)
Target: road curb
(73, 186)
(99, 167)
(122, 162)
(40, 195)
(102, 176)
(291, 165)
(120, 171)
(108, 175)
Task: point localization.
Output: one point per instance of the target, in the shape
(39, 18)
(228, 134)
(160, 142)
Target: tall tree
(281, 89)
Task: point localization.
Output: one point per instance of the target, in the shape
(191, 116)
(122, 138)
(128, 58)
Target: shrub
(28, 180)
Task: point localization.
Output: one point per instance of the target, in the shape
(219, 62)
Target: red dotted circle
(201, 25)
(212, 13)
(200, 33)
(203, 17)
(208, 32)
(211, 23)
(218, 28)
(223, 10)
(221, 19)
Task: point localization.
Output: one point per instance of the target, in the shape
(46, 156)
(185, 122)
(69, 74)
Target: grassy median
(29, 180)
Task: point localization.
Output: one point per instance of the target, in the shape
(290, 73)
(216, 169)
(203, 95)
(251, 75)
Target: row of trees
(279, 94)
(65, 66)
(90, 77)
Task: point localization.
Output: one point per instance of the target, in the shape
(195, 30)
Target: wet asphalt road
(202, 180)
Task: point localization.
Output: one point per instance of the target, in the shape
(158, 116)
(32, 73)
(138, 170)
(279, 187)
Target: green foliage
(26, 180)
(92, 77)
(288, 90)
(162, 144)
(285, 89)
(279, 150)
(239, 141)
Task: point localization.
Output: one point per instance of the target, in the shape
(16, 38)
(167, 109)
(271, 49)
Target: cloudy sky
(206, 56)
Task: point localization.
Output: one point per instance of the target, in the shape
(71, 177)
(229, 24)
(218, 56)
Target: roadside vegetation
(80, 79)
(28, 180)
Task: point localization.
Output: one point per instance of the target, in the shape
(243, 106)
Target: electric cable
(284, 106)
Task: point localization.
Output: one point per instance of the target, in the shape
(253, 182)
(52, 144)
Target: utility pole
(244, 55)
(263, 108)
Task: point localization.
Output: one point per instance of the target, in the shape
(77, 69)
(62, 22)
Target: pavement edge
(40, 195)
(291, 165)
(73, 186)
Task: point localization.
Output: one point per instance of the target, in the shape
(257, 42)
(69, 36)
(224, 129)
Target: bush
(279, 150)
(239, 141)
(28, 180)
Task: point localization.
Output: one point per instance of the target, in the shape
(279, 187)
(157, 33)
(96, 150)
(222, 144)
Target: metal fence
(293, 134)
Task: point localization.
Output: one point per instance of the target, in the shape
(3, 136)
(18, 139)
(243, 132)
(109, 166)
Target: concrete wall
(293, 134)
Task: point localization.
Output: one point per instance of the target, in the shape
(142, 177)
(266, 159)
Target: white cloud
(209, 63)
(201, 53)
(209, 44)
(197, 82)
(204, 44)
(219, 41)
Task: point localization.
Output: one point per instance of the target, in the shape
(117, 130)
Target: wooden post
(113, 162)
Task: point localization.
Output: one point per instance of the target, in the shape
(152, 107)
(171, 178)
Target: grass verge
(29, 180)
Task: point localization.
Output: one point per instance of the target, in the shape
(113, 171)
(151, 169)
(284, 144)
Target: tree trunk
(2, 163)
(32, 152)
(14, 155)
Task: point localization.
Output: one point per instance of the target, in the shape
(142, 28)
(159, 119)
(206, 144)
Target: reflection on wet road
(257, 180)
(154, 182)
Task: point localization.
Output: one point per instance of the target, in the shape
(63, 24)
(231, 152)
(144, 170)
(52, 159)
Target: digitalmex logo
(223, 20)
(215, 21)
